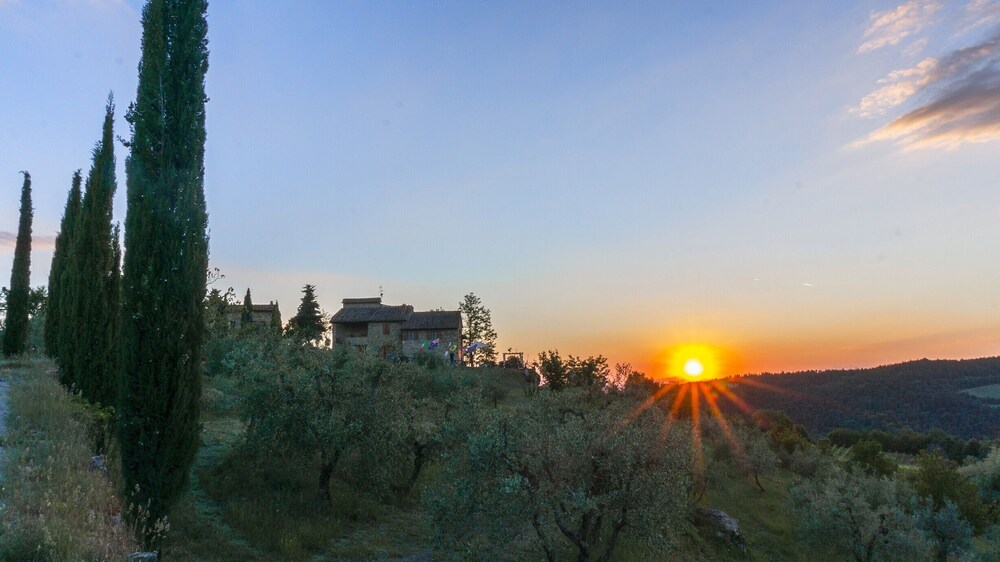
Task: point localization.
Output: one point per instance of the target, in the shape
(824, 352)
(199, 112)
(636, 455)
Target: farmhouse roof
(380, 313)
(434, 320)
(272, 307)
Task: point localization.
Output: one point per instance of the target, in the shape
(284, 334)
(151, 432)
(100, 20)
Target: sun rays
(700, 401)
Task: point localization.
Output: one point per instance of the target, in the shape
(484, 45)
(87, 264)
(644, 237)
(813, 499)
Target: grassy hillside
(250, 507)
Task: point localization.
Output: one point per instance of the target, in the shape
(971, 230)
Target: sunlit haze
(698, 190)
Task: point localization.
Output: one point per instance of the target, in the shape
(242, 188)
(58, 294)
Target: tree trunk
(418, 463)
(325, 472)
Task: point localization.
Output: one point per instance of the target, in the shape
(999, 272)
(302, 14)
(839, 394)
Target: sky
(795, 185)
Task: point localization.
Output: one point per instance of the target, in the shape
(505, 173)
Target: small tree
(553, 370)
(868, 453)
(477, 327)
(307, 325)
(15, 334)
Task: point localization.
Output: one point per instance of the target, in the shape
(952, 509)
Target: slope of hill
(919, 395)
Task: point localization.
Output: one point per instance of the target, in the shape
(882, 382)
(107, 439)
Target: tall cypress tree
(15, 334)
(246, 317)
(93, 300)
(166, 258)
(53, 313)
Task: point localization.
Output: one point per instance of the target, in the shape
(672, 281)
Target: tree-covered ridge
(918, 395)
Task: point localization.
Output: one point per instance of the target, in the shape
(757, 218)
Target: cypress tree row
(92, 297)
(166, 258)
(15, 334)
(60, 259)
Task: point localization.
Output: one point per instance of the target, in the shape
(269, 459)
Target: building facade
(263, 315)
(382, 330)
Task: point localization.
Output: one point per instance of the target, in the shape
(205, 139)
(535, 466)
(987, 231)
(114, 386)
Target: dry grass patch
(56, 507)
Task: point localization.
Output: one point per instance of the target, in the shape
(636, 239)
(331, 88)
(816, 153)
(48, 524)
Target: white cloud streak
(952, 99)
(892, 26)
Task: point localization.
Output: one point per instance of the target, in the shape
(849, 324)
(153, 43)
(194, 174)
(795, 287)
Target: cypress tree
(53, 313)
(307, 324)
(92, 308)
(15, 334)
(246, 317)
(166, 258)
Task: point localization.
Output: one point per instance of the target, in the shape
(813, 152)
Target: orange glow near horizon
(694, 362)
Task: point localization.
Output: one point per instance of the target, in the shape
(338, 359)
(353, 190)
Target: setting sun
(694, 362)
(693, 368)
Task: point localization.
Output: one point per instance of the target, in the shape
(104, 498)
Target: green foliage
(986, 475)
(566, 469)
(859, 517)
(89, 308)
(15, 333)
(307, 325)
(758, 458)
(477, 327)
(939, 480)
(950, 534)
(553, 370)
(332, 407)
(590, 373)
(429, 360)
(166, 258)
(868, 454)
(911, 442)
(60, 262)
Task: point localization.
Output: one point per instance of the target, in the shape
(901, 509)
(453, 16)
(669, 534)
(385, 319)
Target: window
(432, 335)
(385, 328)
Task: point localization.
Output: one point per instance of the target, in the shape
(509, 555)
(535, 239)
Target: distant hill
(918, 395)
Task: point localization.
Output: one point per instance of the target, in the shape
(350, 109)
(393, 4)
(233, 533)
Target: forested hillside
(918, 395)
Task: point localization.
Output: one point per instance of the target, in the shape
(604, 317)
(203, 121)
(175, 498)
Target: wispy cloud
(950, 99)
(892, 26)
(9, 239)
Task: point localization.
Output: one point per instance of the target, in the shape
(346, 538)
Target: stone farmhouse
(263, 314)
(369, 326)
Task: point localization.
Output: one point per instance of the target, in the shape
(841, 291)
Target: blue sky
(804, 185)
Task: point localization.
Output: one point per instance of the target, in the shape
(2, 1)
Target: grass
(988, 391)
(55, 506)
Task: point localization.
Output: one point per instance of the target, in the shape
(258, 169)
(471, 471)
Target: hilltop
(919, 395)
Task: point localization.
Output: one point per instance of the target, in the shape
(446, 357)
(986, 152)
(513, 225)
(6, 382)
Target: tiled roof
(434, 320)
(382, 313)
(273, 307)
(366, 300)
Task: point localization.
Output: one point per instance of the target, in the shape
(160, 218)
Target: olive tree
(313, 404)
(861, 517)
(572, 471)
